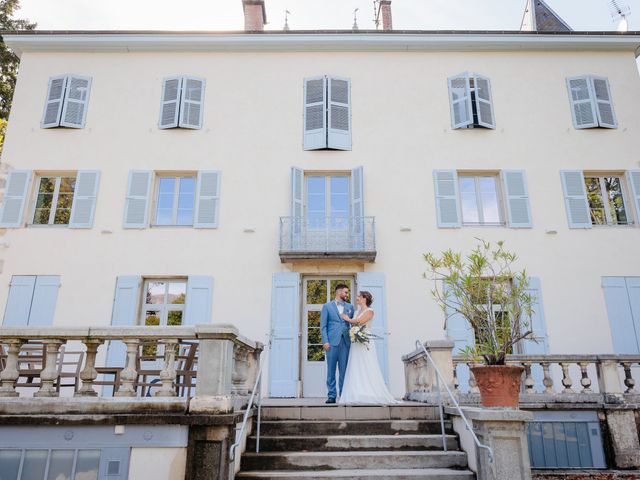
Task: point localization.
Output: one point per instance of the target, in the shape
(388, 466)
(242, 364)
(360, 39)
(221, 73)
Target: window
(164, 301)
(472, 198)
(181, 105)
(327, 113)
(327, 199)
(606, 202)
(54, 200)
(32, 300)
(471, 101)
(67, 101)
(61, 464)
(175, 200)
(591, 102)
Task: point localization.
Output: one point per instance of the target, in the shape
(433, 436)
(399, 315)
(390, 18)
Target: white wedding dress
(363, 381)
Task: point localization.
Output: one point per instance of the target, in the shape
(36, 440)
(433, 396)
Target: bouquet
(359, 334)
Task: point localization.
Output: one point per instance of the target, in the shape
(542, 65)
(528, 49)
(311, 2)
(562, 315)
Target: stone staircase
(328, 442)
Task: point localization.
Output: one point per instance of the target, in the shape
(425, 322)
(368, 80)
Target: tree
(8, 60)
(3, 128)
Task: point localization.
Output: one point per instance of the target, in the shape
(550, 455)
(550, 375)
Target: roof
(538, 16)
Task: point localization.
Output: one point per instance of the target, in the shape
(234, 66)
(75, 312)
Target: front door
(316, 292)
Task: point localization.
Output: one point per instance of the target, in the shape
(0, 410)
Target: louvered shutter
(447, 206)
(199, 300)
(136, 210)
(297, 206)
(357, 208)
(76, 101)
(18, 307)
(45, 296)
(604, 102)
(84, 199)
(460, 101)
(15, 198)
(192, 102)
(517, 198)
(583, 108)
(575, 199)
(633, 178)
(170, 102)
(315, 113)
(536, 323)
(625, 330)
(339, 116)
(208, 199)
(484, 101)
(53, 104)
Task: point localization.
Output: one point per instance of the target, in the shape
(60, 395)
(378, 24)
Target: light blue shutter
(84, 199)
(357, 208)
(18, 307)
(198, 301)
(517, 198)
(45, 296)
(633, 178)
(315, 113)
(604, 102)
(136, 210)
(192, 102)
(53, 104)
(460, 101)
(575, 199)
(633, 291)
(285, 324)
(447, 206)
(207, 200)
(297, 207)
(484, 101)
(339, 114)
(15, 198)
(374, 283)
(537, 322)
(459, 330)
(625, 329)
(76, 101)
(170, 102)
(583, 109)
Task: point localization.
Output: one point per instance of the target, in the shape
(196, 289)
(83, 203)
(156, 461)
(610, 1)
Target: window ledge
(171, 226)
(37, 225)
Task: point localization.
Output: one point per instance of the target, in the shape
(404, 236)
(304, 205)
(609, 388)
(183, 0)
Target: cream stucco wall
(253, 133)
(158, 463)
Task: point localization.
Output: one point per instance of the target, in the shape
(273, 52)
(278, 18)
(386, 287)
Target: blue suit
(335, 332)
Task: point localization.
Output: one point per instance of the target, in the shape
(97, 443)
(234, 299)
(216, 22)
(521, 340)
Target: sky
(309, 14)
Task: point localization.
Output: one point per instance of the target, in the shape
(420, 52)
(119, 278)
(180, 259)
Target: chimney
(255, 15)
(385, 12)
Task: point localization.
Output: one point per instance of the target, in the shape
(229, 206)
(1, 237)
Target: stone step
(391, 474)
(326, 443)
(392, 412)
(351, 427)
(352, 460)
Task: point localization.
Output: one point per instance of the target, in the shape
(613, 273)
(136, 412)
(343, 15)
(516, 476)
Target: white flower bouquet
(360, 334)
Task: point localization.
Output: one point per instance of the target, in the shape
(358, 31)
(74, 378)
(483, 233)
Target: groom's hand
(326, 346)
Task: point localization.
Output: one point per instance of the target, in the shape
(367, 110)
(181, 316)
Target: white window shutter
(339, 114)
(199, 300)
(604, 102)
(516, 198)
(192, 102)
(484, 101)
(76, 101)
(297, 192)
(170, 102)
(575, 199)
(84, 199)
(45, 297)
(583, 109)
(357, 192)
(207, 199)
(16, 313)
(15, 198)
(460, 101)
(633, 179)
(315, 113)
(136, 210)
(53, 104)
(447, 205)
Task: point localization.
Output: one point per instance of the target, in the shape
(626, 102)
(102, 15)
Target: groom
(335, 338)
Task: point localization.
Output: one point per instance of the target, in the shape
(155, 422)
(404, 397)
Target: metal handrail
(255, 393)
(439, 377)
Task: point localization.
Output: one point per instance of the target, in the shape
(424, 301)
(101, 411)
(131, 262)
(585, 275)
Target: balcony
(331, 238)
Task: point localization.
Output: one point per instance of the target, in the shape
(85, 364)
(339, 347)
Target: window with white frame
(54, 199)
(606, 199)
(164, 301)
(480, 200)
(175, 200)
(67, 101)
(471, 101)
(591, 102)
(327, 199)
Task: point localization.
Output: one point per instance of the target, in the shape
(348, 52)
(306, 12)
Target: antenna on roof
(286, 20)
(355, 19)
(620, 11)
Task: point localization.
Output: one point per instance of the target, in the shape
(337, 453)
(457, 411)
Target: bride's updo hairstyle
(367, 296)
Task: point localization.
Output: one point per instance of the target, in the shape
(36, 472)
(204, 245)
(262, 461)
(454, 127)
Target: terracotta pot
(499, 385)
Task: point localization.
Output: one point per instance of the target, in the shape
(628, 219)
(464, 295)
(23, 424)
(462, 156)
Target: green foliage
(8, 60)
(3, 129)
(484, 289)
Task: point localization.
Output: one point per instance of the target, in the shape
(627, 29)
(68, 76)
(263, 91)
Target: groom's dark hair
(340, 286)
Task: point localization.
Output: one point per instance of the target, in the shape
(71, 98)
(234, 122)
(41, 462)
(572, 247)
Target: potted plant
(494, 299)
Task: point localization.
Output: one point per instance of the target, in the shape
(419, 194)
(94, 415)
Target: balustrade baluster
(585, 381)
(89, 372)
(547, 381)
(168, 372)
(473, 385)
(529, 382)
(566, 378)
(629, 381)
(456, 382)
(129, 374)
(10, 374)
(49, 373)
(240, 370)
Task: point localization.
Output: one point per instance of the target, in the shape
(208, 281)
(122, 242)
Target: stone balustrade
(216, 360)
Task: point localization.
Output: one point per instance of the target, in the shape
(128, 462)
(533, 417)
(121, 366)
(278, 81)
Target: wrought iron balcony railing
(327, 237)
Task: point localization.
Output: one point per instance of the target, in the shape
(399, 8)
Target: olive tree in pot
(484, 289)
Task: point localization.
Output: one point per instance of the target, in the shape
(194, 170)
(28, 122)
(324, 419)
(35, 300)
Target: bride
(363, 381)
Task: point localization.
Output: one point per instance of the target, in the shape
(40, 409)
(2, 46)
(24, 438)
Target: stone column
(208, 452)
(49, 373)
(624, 438)
(10, 374)
(89, 372)
(502, 430)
